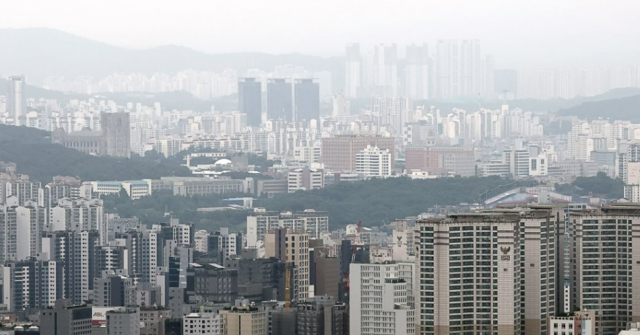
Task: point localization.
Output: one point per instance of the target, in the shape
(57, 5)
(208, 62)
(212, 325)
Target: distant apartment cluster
(454, 69)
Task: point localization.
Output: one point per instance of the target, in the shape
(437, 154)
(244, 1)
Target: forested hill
(32, 150)
(379, 201)
(627, 108)
(374, 202)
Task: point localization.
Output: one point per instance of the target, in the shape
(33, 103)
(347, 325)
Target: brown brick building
(339, 153)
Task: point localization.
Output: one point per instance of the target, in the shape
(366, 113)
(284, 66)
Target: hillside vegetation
(31, 149)
(599, 186)
(627, 108)
(374, 202)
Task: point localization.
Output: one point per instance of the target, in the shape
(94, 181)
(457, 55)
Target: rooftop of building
(495, 215)
(123, 310)
(153, 308)
(613, 209)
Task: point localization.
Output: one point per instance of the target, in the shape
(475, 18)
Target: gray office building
(16, 101)
(279, 99)
(66, 319)
(116, 134)
(123, 321)
(250, 100)
(321, 315)
(307, 99)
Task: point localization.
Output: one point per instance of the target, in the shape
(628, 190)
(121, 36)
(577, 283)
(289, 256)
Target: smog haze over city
(319, 167)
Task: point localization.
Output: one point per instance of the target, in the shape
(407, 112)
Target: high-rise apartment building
(61, 187)
(77, 252)
(321, 315)
(470, 69)
(393, 113)
(518, 162)
(381, 299)
(339, 153)
(32, 284)
(78, 215)
(353, 70)
(16, 100)
(23, 228)
(385, 70)
(291, 247)
(606, 264)
(374, 162)
(306, 99)
(416, 80)
(116, 134)
(403, 238)
(279, 99)
(447, 72)
(261, 221)
(17, 189)
(250, 100)
(341, 106)
(487, 272)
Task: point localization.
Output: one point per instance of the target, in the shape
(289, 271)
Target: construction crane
(287, 287)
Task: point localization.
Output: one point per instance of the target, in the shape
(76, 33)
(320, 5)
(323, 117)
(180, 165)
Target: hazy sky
(516, 32)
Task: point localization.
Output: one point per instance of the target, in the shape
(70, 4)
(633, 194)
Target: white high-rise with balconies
(374, 162)
(381, 299)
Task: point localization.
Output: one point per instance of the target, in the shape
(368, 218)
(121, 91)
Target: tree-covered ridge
(374, 202)
(626, 108)
(379, 201)
(599, 186)
(162, 205)
(31, 149)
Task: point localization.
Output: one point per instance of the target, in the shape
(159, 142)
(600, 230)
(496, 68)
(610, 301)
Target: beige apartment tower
(291, 247)
(490, 272)
(606, 267)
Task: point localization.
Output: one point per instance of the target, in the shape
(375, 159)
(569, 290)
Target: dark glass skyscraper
(279, 99)
(250, 100)
(307, 99)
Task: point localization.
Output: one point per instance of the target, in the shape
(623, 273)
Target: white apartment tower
(470, 69)
(261, 221)
(304, 179)
(447, 74)
(374, 162)
(353, 69)
(16, 101)
(416, 83)
(381, 299)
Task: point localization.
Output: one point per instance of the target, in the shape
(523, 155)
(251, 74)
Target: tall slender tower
(116, 134)
(447, 69)
(416, 84)
(250, 100)
(470, 68)
(353, 69)
(16, 102)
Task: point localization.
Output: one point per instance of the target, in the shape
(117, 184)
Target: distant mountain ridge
(624, 108)
(40, 52)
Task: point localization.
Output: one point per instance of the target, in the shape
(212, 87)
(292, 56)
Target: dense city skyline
(458, 168)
